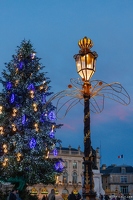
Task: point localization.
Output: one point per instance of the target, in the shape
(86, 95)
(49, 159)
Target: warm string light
(36, 127)
(32, 93)
(14, 127)
(14, 112)
(41, 87)
(35, 107)
(1, 130)
(16, 82)
(1, 108)
(46, 153)
(19, 155)
(5, 162)
(5, 148)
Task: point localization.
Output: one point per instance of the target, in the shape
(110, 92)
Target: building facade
(72, 177)
(117, 179)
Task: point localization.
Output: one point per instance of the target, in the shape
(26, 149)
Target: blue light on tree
(31, 87)
(20, 65)
(12, 98)
(59, 166)
(32, 143)
(8, 85)
(23, 119)
(42, 118)
(52, 116)
(51, 134)
(44, 98)
(55, 152)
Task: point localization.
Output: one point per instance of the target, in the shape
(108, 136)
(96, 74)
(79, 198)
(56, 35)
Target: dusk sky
(54, 28)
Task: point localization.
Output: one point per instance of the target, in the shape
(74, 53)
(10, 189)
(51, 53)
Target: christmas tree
(27, 121)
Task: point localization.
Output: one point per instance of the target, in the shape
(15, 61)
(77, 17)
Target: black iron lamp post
(87, 90)
(85, 62)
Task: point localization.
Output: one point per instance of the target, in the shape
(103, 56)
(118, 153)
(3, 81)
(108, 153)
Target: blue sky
(54, 28)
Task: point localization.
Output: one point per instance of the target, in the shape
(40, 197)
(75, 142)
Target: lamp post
(85, 62)
(84, 89)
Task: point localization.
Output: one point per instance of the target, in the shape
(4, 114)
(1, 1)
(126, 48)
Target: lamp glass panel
(85, 66)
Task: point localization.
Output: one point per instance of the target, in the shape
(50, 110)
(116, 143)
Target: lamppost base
(90, 196)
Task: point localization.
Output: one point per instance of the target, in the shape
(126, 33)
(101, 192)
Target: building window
(124, 189)
(123, 179)
(65, 177)
(74, 165)
(123, 170)
(65, 164)
(74, 178)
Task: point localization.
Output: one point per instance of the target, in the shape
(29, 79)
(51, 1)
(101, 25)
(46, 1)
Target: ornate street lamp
(90, 92)
(85, 62)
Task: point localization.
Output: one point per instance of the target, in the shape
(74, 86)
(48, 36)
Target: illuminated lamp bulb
(32, 93)
(1, 108)
(1, 130)
(5, 148)
(14, 112)
(35, 107)
(14, 127)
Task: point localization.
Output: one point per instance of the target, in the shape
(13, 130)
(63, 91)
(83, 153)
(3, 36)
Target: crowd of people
(14, 195)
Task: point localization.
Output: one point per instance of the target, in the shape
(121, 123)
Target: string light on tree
(1, 130)
(1, 108)
(35, 107)
(5, 162)
(5, 148)
(36, 127)
(19, 155)
(14, 127)
(14, 112)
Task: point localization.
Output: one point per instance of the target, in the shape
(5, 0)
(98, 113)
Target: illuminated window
(65, 177)
(74, 165)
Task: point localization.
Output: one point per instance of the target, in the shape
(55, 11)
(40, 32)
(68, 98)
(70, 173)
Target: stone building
(117, 179)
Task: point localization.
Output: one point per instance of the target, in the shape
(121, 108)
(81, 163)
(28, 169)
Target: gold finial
(85, 44)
